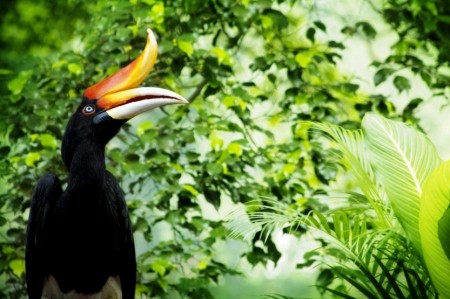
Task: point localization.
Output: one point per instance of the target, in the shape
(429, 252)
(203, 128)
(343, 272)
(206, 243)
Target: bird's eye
(88, 110)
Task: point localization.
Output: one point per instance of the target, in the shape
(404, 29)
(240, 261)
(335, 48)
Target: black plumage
(81, 236)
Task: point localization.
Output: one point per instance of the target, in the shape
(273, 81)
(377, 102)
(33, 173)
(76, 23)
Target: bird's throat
(87, 168)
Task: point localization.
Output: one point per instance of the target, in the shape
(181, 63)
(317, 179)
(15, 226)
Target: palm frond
(353, 154)
(374, 262)
(402, 159)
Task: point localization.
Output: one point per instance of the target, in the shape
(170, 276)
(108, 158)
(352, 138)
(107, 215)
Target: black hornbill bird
(79, 241)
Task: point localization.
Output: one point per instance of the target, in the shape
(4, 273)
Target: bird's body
(79, 241)
(85, 239)
(111, 289)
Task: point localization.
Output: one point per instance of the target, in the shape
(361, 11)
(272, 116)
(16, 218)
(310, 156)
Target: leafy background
(253, 71)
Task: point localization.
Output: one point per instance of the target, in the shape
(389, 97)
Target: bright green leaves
(231, 101)
(434, 227)
(42, 145)
(402, 159)
(32, 158)
(222, 56)
(216, 141)
(48, 141)
(303, 58)
(143, 127)
(17, 84)
(398, 165)
(186, 44)
(160, 266)
(444, 232)
(17, 267)
(191, 189)
(74, 68)
(235, 149)
(354, 156)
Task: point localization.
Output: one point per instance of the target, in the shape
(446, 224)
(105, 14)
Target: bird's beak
(119, 97)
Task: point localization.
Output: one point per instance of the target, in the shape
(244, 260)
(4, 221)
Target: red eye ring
(88, 109)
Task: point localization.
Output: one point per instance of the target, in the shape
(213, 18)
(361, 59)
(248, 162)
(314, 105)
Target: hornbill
(79, 241)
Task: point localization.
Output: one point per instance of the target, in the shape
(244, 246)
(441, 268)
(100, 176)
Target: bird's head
(107, 105)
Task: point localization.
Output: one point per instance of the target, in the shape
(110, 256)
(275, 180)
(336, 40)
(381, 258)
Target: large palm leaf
(434, 223)
(402, 158)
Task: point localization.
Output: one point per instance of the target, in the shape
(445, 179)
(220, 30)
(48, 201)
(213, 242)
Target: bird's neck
(87, 169)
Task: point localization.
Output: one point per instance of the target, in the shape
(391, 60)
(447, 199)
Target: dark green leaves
(381, 75)
(367, 29)
(402, 83)
(324, 279)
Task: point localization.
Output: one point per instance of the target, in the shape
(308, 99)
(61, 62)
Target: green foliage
(434, 227)
(402, 159)
(422, 47)
(377, 263)
(394, 166)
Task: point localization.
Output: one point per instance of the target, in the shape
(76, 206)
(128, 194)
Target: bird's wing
(127, 255)
(47, 191)
(128, 267)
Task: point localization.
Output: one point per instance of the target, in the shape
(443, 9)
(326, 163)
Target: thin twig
(197, 91)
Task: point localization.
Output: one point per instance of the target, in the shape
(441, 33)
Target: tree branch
(197, 91)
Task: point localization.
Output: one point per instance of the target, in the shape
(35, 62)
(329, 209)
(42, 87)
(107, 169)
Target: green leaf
(364, 289)
(143, 127)
(401, 83)
(381, 75)
(393, 282)
(434, 227)
(278, 19)
(5, 72)
(303, 58)
(17, 84)
(32, 158)
(191, 189)
(186, 46)
(235, 149)
(402, 158)
(324, 279)
(222, 56)
(367, 29)
(17, 266)
(75, 68)
(444, 232)
(310, 34)
(216, 141)
(48, 140)
(160, 266)
(320, 25)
